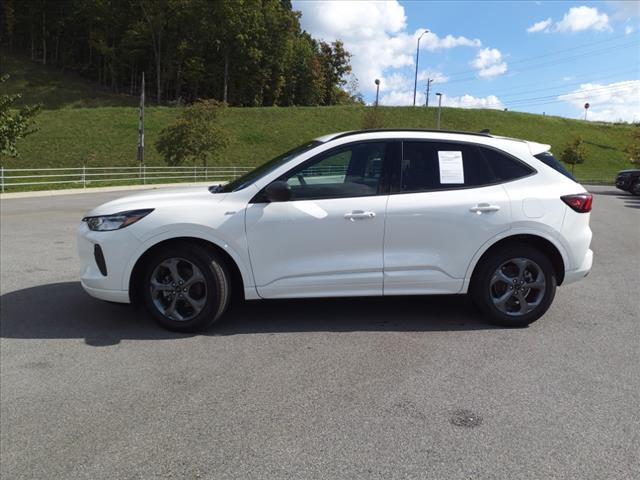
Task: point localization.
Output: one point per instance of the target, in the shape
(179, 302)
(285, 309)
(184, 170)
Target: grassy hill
(82, 125)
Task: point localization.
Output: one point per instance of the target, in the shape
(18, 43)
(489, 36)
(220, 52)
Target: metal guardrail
(94, 176)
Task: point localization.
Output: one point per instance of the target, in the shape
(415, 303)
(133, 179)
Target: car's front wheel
(186, 287)
(635, 188)
(514, 286)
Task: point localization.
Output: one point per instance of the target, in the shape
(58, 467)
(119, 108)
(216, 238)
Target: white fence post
(2, 178)
(195, 173)
(144, 174)
(84, 176)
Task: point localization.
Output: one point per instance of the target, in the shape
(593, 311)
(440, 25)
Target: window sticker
(451, 169)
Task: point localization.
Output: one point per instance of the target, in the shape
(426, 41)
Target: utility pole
(439, 95)
(429, 80)
(377, 90)
(415, 83)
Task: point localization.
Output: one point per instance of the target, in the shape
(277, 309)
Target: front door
(328, 239)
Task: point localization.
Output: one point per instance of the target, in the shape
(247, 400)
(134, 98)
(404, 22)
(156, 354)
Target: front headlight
(104, 223)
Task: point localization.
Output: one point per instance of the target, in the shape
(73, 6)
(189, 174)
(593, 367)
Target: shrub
(574, 153)
(634, 147)
(195, 136)
(372, 119)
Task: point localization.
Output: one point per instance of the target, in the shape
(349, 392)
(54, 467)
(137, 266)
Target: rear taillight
(580, 202)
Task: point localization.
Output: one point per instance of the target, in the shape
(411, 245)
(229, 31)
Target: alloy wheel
(178, 289)
(517, 286)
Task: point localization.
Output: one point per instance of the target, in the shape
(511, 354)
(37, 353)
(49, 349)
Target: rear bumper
(571, 276)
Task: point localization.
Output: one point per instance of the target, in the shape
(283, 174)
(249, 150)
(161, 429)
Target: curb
(123, 188)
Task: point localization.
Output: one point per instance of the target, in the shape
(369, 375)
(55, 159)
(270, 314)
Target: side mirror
(278, 191)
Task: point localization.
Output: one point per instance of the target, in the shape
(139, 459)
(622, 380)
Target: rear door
(448, 203)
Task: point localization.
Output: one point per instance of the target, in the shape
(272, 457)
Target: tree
(574, 153)
(195, 136)
(14, 124)
(242, 52)
(634, 147)
(334, 61)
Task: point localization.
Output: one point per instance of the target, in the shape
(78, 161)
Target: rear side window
(503, 167)
(441, 166)
(548, 159)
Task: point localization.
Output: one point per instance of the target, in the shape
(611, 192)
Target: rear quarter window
(504, 167)
(548, 159)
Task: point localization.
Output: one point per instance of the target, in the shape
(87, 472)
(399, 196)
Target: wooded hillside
(244, 52)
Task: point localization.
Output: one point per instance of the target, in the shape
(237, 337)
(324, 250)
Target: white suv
(384, 212)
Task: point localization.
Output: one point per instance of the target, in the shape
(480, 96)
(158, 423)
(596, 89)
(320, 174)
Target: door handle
(359, 215)
(483, 208)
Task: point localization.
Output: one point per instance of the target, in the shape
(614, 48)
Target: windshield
(258, 172)
(548, 159)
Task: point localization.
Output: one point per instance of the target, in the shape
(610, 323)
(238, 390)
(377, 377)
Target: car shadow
(631, 202)
(611, 193)
(65, 311)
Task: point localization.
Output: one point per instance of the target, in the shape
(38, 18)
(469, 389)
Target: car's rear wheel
(514, 286)
(635, 188)
(186, 287)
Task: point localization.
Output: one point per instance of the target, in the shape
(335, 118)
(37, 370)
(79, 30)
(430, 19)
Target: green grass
(77, 133)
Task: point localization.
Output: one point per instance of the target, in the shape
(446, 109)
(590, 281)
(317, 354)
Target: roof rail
(376, 130)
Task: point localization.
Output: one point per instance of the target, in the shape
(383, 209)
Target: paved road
(354, 389)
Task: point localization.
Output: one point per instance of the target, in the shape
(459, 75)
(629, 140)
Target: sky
(547, 57)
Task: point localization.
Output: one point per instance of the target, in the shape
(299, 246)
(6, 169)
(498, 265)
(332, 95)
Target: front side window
(441, 166)
(352, 171)
(266, 168)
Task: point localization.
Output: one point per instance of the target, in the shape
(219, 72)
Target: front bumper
(118, 296)
(571, 276)
(117, 248)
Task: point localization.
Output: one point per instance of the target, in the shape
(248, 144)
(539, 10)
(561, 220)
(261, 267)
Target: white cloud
(489, 63)
(611, 102)
(624, 9)
(399, 82)
(583, 18)
(437, 77)
(402, 98)
(542, 26)
(405, 97)
(375, 33)
(433, 42)
(566, 79)
(469, 101)
(629, 29)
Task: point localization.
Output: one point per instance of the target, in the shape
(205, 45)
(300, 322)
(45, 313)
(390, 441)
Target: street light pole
(439, 95)
(377, 90)
(415, 83)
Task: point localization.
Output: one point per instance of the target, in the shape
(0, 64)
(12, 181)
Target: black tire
(215, 283)
(483, 293)
(635, 188)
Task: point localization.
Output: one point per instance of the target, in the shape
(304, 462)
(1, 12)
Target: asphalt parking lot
(351, 389)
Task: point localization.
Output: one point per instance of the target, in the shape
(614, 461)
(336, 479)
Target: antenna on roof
(485, 130)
